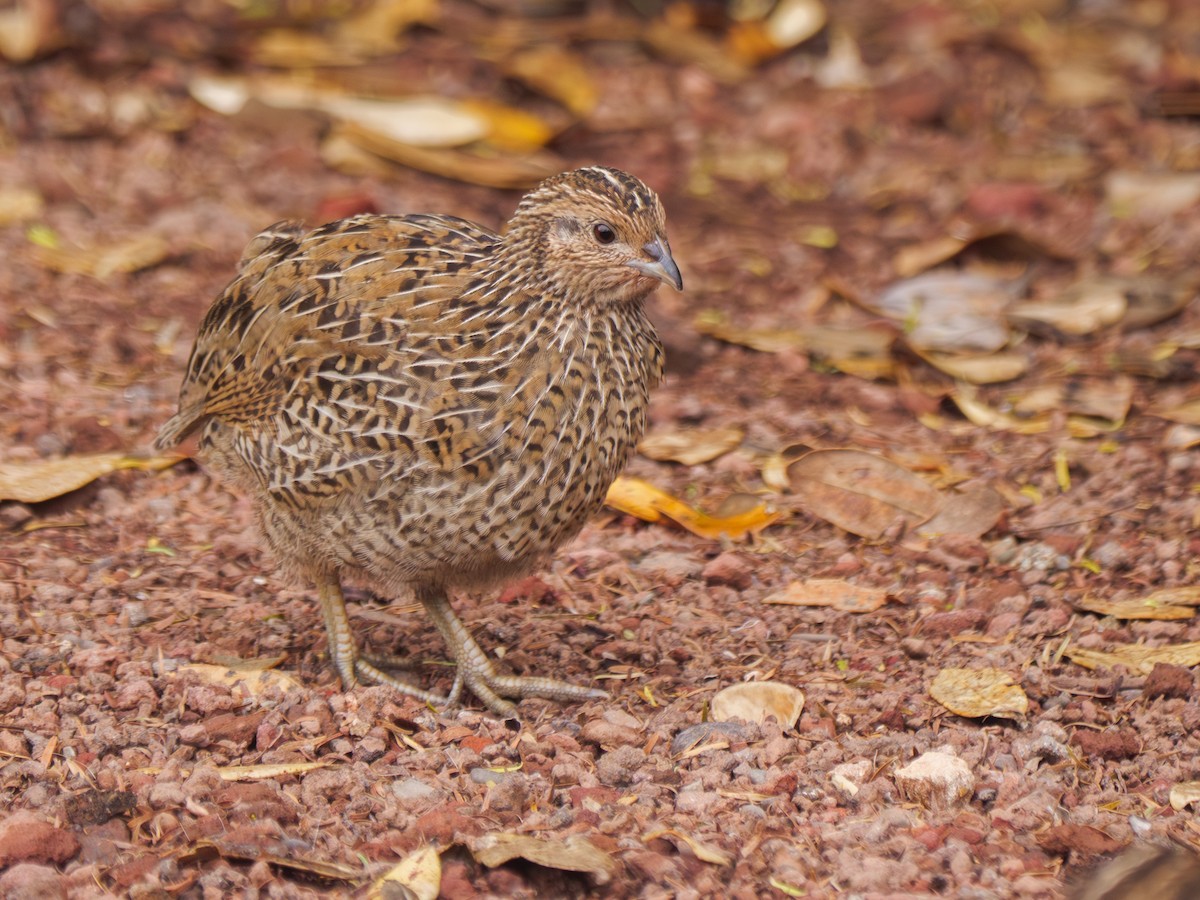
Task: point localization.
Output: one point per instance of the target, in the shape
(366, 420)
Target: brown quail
(416, 403)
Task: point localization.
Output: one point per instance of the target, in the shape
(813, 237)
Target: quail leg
(352, 667)
(477, 671)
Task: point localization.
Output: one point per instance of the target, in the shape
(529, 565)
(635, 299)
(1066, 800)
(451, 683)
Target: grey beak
(660, 265)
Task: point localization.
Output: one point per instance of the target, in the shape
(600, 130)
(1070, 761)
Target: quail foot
(421, 405)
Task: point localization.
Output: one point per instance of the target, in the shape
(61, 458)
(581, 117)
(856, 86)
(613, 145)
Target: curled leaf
(754, 701)
(976, 693)
(645, 501)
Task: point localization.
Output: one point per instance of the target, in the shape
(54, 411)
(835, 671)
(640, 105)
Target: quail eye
(604, 233)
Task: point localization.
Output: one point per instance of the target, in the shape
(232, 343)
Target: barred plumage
(420, 403)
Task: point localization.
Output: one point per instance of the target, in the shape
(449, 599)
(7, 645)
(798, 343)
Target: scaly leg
(477, 671)
(349, 664)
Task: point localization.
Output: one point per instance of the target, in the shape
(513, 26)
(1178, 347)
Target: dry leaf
(1184, 794)
(765, 340)
(263, 771)
(1083, 308)
(309, 869)
(979, 413)
(987, 368)
(575, 854)
(754, 701)
(860, 492)
(488, 170)
(677, 42)
(789, 24)
(130, 255)
(420, 873)
(1149, 607)
(1186, 413)
(949, 311)
(19, 204)
(645, 501)
(1151, 195)
(832, 592)
(1136, 656)
(1181, 437)
(255, 681)
(557, 73)
(703, 851)
(44, 479)
(690, 446)
(976, 693)
(973, 512)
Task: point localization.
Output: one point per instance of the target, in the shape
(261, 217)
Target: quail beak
(659, 265)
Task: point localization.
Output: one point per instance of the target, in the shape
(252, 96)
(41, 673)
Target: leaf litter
(810, 160)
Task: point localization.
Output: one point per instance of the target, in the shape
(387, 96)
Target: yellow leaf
(129, 255)
(264, 771)
(976, 693)
(1153, 606)
(557, 73)
(1184, 794)
(420, 873)
(510, 128)
(254, 680)
(44, 479)
(645, 501)
(575, 854)
(1137, 657)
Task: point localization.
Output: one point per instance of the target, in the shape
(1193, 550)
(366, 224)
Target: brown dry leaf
(263, 771)
(19, 204)
(862, 352)
(645, 501)
(681, 43)
(690, 446)
(832, 592)
(1182, 437)
(203, 851)
(1151, 195)
(1185, 413)
(996, 243)
(420, 873)
(1184, 794)
(987, 368)
(979, 413)
(973, 512)
(766, 340)
(977, 693)
(1136, 656)
(953, 312)
(860, 492)
(1083, 308)
(575, 854)
(29, 28)
(130, 255)
(1152, 606)
(255, 681)
(703, 851)
(459, 165)
(44, 479)
(557, 73)
(754, 701)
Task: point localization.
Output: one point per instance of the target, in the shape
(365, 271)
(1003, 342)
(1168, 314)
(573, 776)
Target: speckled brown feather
(418, 401)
